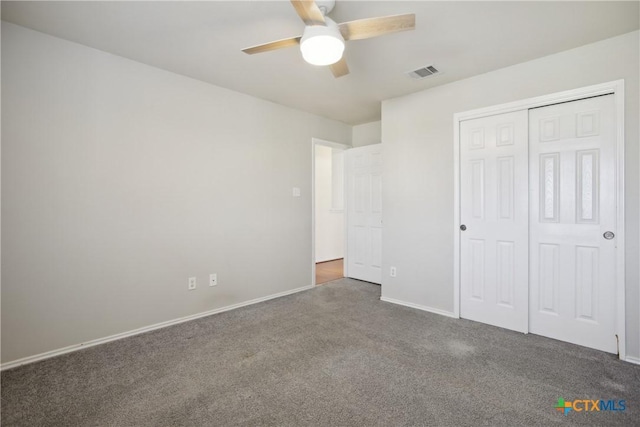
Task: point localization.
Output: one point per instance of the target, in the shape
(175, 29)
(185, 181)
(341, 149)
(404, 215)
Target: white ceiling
(202, 40)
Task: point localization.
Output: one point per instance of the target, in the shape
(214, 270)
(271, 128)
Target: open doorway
(328, 211)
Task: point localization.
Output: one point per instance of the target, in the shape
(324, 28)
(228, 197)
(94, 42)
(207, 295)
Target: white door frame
(324, 142)
(617, 89)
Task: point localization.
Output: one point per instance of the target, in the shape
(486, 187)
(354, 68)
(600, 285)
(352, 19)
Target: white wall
(366, 134)
(417, 133)
(329, 222)
(121, 180)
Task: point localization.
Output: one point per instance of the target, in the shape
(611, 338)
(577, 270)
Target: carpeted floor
(334, 355)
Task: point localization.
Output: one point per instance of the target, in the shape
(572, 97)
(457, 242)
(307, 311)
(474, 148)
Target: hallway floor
(329, 270)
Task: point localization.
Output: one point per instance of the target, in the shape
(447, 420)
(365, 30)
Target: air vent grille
(423, 72)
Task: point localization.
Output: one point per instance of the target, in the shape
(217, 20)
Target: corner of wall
(366, 134)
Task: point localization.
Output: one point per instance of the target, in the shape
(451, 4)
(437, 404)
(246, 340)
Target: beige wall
(120, 181)
(366, 134)
(417, 133)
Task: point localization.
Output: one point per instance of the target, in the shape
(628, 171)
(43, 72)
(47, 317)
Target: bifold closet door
(573, 222)
(494, 220)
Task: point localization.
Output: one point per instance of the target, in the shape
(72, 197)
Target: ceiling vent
(423, 72)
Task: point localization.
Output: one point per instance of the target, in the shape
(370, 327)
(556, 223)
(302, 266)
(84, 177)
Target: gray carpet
(334, 355)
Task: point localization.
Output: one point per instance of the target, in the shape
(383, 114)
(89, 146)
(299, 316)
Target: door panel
(494, 209)
(364, 213)
(572, 172)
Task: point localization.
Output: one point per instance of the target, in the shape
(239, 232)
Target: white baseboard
(634, 360)
(92, 343)
(420, 307)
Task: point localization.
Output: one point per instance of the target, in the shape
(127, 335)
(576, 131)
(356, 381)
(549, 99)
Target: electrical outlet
(392, 272)
(213, 279)
(192, 283)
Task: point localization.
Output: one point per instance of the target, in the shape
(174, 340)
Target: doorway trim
(326, 143)
(616, 88)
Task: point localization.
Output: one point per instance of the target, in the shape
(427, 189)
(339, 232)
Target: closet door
(494, 219)
(573, 222)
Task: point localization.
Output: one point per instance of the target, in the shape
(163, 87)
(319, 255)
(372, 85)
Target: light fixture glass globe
(322, 50)
(322, 45)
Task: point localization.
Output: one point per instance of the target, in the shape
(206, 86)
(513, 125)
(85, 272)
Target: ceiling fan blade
(340, 68)
(278, 44)
(374, 27)
(309, 11)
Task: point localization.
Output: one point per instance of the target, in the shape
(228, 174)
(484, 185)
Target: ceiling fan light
(322, 45)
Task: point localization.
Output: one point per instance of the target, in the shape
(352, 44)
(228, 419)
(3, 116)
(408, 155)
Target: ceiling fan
(322, 42)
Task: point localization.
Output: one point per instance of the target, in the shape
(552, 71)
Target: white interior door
(494, 216)
(364, 213)
(573, 206)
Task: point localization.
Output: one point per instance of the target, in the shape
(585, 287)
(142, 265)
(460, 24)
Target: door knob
(608, 235)
(463, 227)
